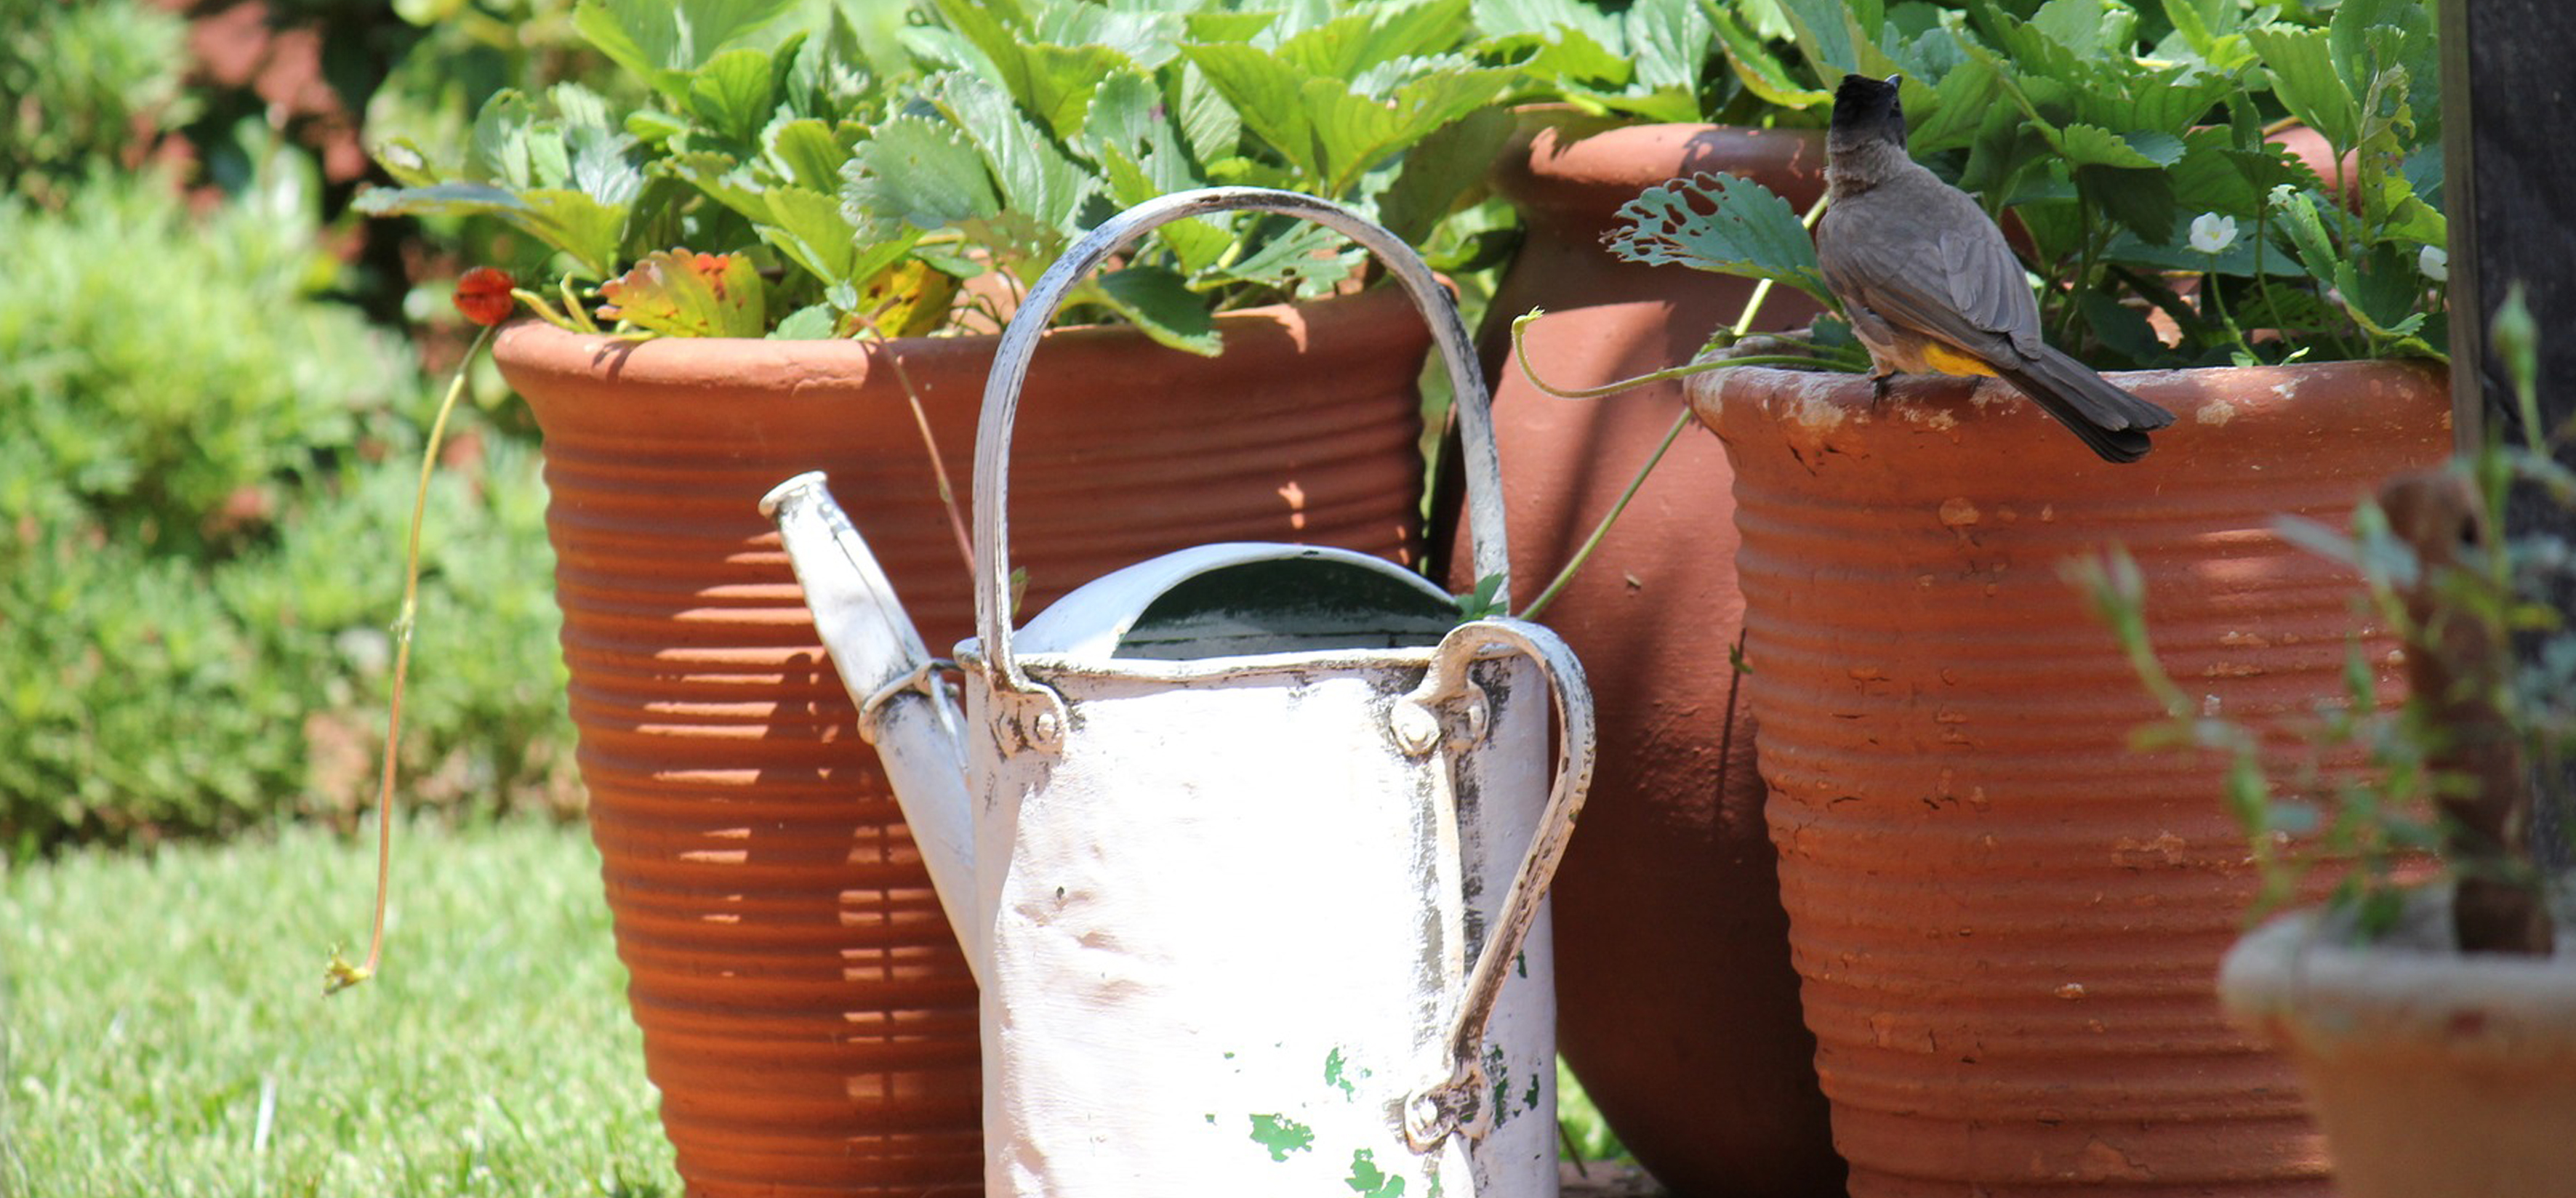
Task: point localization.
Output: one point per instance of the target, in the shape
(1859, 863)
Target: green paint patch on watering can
(1282, 1135)
(1338, 1074)
(1369, 1181)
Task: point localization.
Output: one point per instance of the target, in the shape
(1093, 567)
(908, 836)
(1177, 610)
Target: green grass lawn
(166, 1032)
(167, 1036)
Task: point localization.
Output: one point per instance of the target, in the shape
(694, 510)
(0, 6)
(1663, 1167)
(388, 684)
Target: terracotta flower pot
(806, 1013)
(2434, 1073)
(1677, 1005)
(2005, 920)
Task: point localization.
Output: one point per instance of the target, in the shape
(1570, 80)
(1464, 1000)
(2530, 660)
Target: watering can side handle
(1455, 1104)
(1020, 341)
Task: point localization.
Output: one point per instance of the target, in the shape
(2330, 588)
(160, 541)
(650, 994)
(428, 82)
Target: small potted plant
(790, 254)
(2004, 925)
(2433, 1019)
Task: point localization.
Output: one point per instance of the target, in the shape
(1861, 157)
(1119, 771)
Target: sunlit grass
(167, 1033)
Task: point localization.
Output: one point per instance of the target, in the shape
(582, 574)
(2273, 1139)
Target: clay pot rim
(1826, 398)
(533, 345)
(1568, 151)
(2300, 980)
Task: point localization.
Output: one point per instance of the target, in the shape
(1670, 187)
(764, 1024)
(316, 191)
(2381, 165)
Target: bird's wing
(1931, 261)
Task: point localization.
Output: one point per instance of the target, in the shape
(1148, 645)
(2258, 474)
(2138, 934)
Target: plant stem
(929, 443)
(1743, 324)
(1557, 585)
(341, 975)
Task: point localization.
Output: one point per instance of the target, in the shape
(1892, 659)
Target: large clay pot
(806, 1013)
(2006, 921)
(1677, 1006)
(2434, 1072)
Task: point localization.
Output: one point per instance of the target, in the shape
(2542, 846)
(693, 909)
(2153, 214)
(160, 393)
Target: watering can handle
(1458, 1103)
(1020, 342)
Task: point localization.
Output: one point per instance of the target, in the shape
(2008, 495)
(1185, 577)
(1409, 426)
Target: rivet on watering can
(1046, 729)
(1416, 727)
(1476, 709)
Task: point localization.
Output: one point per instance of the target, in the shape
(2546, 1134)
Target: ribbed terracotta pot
(2007, 922)
(1676, 1003)
(806, 1013)
(2434, 1073)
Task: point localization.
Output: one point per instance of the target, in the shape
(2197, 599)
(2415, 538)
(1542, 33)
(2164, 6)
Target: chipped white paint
(2215, 412)
(1260, 912)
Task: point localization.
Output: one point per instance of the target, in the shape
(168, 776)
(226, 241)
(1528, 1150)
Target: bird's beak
(1892, 80)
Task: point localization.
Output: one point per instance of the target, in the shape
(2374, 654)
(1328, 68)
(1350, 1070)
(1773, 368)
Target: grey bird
(1931, 286)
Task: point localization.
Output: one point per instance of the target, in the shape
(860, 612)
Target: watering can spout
(905, 709)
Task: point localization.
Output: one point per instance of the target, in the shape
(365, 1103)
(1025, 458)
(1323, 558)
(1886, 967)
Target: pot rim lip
(1827, 397)
(2292, 977)
(529, 342)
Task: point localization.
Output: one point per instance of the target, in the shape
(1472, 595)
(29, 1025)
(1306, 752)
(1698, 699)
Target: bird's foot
(1878, 390)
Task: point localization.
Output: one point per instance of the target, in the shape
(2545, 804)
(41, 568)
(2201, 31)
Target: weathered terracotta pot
(2006, 922)
(2434, 1073)
(806, 1013)
(1677, 1006)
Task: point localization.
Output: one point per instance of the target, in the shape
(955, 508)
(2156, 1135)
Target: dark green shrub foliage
(203, 496)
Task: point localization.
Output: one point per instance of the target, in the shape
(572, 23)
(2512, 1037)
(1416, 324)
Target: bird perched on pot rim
(1930, 285)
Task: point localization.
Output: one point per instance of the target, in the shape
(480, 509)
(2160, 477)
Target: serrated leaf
(807, 154)
(1209, 126)
(1063, 80)
(1722, 223)
(808, 226)
(1034, 177)
(497, 150)
(720, 178)
(814, 322)
(1161, 305)
(732, 94)
(2302, 68)
(1440, 169)
(1306, 260)
(908, 298)
(2141, 200)
(1358, 41)
(917, 171)
(681, 294)
(1265, 94)
(662, 41)
(1755, 66)
(2087, 145)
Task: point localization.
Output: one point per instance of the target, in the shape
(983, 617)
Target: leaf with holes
(1722, 223)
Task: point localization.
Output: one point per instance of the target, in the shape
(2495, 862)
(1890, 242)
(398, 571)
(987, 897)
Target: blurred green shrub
(80, 83)
(202, 502)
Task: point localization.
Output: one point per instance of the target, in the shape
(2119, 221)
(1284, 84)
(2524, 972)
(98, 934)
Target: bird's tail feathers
(2111, 421)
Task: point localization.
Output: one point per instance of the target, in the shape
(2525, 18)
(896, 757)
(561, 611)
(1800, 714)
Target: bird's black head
(1867, 108)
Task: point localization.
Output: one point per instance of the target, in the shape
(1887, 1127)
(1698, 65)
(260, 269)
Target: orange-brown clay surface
(806, 1012)
(1678, 1008)
(2008, 923)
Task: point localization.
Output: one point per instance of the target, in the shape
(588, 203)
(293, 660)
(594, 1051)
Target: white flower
(2435, 262)
(2212, 233)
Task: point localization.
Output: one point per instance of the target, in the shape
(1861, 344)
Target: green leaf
(1721, 223)
(1761, 71)
(2086, 145)
(1063, 79)
(918, 171)
(731, 93)
(807, 154)
(1209, 125)
(809, 227)
(1161, 304)
(1035, 178)
(1440, 169)
(661, 41)
(1266, 95)
(2304, 77)
(680, 294)
(814, 322)
(1349, 45)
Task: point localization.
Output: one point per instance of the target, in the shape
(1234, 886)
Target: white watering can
(1248, 844)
